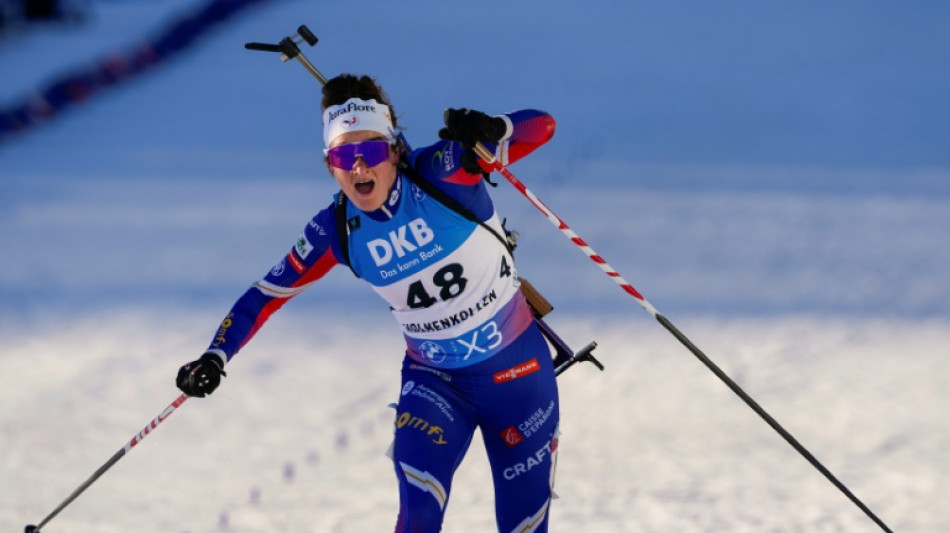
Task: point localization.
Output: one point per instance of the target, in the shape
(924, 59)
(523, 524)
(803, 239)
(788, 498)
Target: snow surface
(774, 179)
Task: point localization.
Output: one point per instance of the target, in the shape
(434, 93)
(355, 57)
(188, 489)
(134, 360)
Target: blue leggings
(513, 398)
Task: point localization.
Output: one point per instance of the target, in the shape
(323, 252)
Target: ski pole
(489, 158)
(289, 50)
(113, 460)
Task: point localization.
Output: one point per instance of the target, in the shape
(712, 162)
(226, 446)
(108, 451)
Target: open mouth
(364, 187)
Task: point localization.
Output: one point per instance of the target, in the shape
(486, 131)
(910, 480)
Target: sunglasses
(344, 156)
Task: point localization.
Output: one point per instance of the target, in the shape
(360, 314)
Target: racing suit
(474, 355)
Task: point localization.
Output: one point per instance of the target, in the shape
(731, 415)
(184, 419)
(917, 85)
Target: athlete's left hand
(467, 127)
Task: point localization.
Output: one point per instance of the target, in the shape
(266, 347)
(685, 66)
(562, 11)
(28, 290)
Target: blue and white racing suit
(474, 356)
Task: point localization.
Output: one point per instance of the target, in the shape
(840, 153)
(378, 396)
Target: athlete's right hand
(200, 378)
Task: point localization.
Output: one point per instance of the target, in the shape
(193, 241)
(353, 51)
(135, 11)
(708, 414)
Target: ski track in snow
(294, 439)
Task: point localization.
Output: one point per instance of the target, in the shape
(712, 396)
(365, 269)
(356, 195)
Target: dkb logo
(399, 242)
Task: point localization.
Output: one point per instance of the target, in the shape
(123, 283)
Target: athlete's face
(367, 187)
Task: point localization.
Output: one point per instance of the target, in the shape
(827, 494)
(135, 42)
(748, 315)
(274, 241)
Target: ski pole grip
(483, 153)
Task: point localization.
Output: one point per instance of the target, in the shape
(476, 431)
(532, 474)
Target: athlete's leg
(520, 429)
(433, 429)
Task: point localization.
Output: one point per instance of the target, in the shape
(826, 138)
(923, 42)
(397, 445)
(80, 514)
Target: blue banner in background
(78, 85)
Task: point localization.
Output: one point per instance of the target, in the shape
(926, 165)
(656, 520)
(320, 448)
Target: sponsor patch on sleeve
(297, 264)
(303, 247)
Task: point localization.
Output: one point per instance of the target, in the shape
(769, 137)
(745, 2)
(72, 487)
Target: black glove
(468, 127)
(200, 378)
(469, 160)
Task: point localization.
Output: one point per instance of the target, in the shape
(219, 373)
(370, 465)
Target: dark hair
(345, 86)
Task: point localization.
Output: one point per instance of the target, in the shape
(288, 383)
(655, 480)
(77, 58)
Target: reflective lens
(372, 152)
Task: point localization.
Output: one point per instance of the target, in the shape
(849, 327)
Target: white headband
(356, 115)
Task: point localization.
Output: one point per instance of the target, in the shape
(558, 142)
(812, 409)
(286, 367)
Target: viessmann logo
(515, 372)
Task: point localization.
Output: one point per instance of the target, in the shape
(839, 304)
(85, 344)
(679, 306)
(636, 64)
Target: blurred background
(774, 177)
